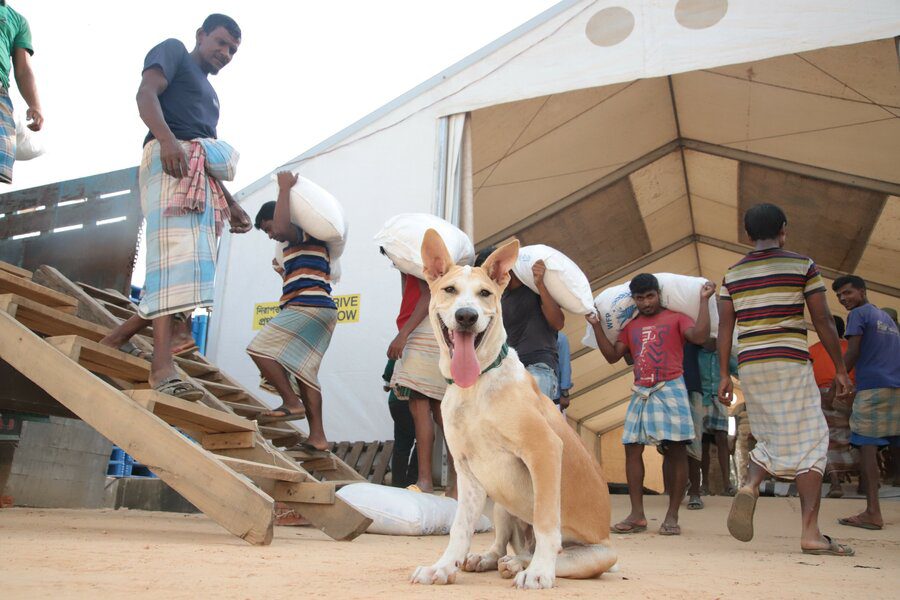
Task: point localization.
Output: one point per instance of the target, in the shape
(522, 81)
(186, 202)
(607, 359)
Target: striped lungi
(785, 413)
(181, 250)
(876, 413)
(418, 368)
(7, 137)
(297, 338)
(841, 456)
(659, 413)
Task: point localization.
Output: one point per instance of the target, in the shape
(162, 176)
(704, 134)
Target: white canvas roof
(630, 135)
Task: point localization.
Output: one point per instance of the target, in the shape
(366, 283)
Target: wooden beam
(199, 416)
(98, 358)
(14, 270)
(312, 492)
(13, 284)
(341, 521)
(50, 321)
(225, 441)
(259, 470)
(228, 499)
(105, 295)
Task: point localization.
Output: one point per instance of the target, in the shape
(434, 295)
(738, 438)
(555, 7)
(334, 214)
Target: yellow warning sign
(348, 310)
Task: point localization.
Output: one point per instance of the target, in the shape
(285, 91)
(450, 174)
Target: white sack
(680, 293)
(28, 142)
(397, 511)
(402, 235)
(564, 280)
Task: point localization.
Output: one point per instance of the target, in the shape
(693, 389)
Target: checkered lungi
(181, 249)
(785, 413)
(659, 413)
(418, 369)
(297, 338)
(876, 413)
(841, 456)
(715, 417)
(7, 137)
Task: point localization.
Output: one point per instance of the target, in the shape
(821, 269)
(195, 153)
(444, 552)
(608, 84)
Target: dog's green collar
(504, 350)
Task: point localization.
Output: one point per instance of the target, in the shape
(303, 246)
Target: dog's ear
(501, 261)
(435, 257)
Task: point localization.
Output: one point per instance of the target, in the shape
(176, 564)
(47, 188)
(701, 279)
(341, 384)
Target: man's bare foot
(317, 442)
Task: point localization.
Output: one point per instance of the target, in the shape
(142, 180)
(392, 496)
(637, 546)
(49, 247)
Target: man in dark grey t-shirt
(532, 322)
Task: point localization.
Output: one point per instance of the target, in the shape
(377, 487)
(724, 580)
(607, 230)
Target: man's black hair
(483, 255)
(266, 213)
(216, 20)
(854, 280)
(643, 283)
(764, 221)
(839, 325)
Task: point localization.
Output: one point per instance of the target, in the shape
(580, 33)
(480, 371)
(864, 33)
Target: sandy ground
(134, 554)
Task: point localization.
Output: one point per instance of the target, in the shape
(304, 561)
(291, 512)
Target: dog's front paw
(480, 563)
(535, 579)
(436, 575)
(510, 566)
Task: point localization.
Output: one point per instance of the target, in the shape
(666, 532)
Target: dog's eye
(450, 289)
(484, 293)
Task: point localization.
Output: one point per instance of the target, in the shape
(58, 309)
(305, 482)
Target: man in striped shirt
(765, 294)
(289, 349)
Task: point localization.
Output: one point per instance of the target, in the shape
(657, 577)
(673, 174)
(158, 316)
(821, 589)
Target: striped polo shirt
(307, 274)
(768, 289)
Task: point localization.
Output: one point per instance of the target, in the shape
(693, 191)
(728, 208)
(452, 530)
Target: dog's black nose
(466, 317)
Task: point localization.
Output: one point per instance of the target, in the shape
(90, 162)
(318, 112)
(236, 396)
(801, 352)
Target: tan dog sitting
(509, 441)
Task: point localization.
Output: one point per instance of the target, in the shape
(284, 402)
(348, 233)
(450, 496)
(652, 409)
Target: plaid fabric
(418, 370)
(193, 191)
(716, 417)
(876, 413)
(660, 413)
(181, 251)
(841, 456)
(7, 137)
(297, 339)
(785, 413)
(695, 448)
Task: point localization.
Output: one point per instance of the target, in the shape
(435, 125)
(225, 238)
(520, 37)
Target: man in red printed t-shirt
(659, 412)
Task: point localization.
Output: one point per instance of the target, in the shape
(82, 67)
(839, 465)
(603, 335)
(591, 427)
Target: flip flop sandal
(180, 389)
(740, 518)
(632, 528)
(414, 488)
(695, 503)
(310, 448)
(669, 529)
(184, 351)
(857, 522)
(135, 351)
(833, 549)
(284, 414)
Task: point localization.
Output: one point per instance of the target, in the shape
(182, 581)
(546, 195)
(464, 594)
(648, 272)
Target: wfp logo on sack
(621, 311)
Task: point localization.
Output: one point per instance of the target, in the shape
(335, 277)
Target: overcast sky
(305, 70)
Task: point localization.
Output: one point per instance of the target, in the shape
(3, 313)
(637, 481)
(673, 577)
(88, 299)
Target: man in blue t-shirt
(873, 349)
(184, 205)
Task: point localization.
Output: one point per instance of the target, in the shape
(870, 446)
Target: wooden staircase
(231, 467)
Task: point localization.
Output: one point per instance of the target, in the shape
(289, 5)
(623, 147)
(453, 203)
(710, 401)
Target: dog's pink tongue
(464, 364)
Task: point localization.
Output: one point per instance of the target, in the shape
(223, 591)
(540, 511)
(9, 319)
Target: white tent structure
(629, 134)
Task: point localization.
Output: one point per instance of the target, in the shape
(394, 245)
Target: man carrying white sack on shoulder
(532, 323)
(659, 412)
(289, 348)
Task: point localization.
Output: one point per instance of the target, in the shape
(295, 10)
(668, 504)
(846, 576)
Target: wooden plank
(225, 441)
(368, 459)
(243, 408)
(220, 390)
(14, 270)
(52, 322)
(312, 492)
(202, 417)
(342, 449)
(354, 454)
(263, 471)
(340, 520)
(228, 499)
(98, 358)
(306, 454)
(118, 311)
(106, 296)
(13, 284)
(327, 463)
(196, 368)
(382, 462)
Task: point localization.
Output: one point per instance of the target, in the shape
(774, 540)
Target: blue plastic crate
(117, 455)
(139, 470)
(118, 469)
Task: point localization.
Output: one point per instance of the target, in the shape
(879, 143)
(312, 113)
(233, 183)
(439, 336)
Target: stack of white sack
(397, 511)
(680, 293)
(317, 212)
(566, 283)
(402, 235)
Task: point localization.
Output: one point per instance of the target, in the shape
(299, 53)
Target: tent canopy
(652, 176)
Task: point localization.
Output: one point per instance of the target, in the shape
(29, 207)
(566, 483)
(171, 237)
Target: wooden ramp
(216, 456)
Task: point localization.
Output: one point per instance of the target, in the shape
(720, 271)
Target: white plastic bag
(402, 235)
(28, 142)
(317, 212)
(397, 511)
(680, 293)
(564, 280)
